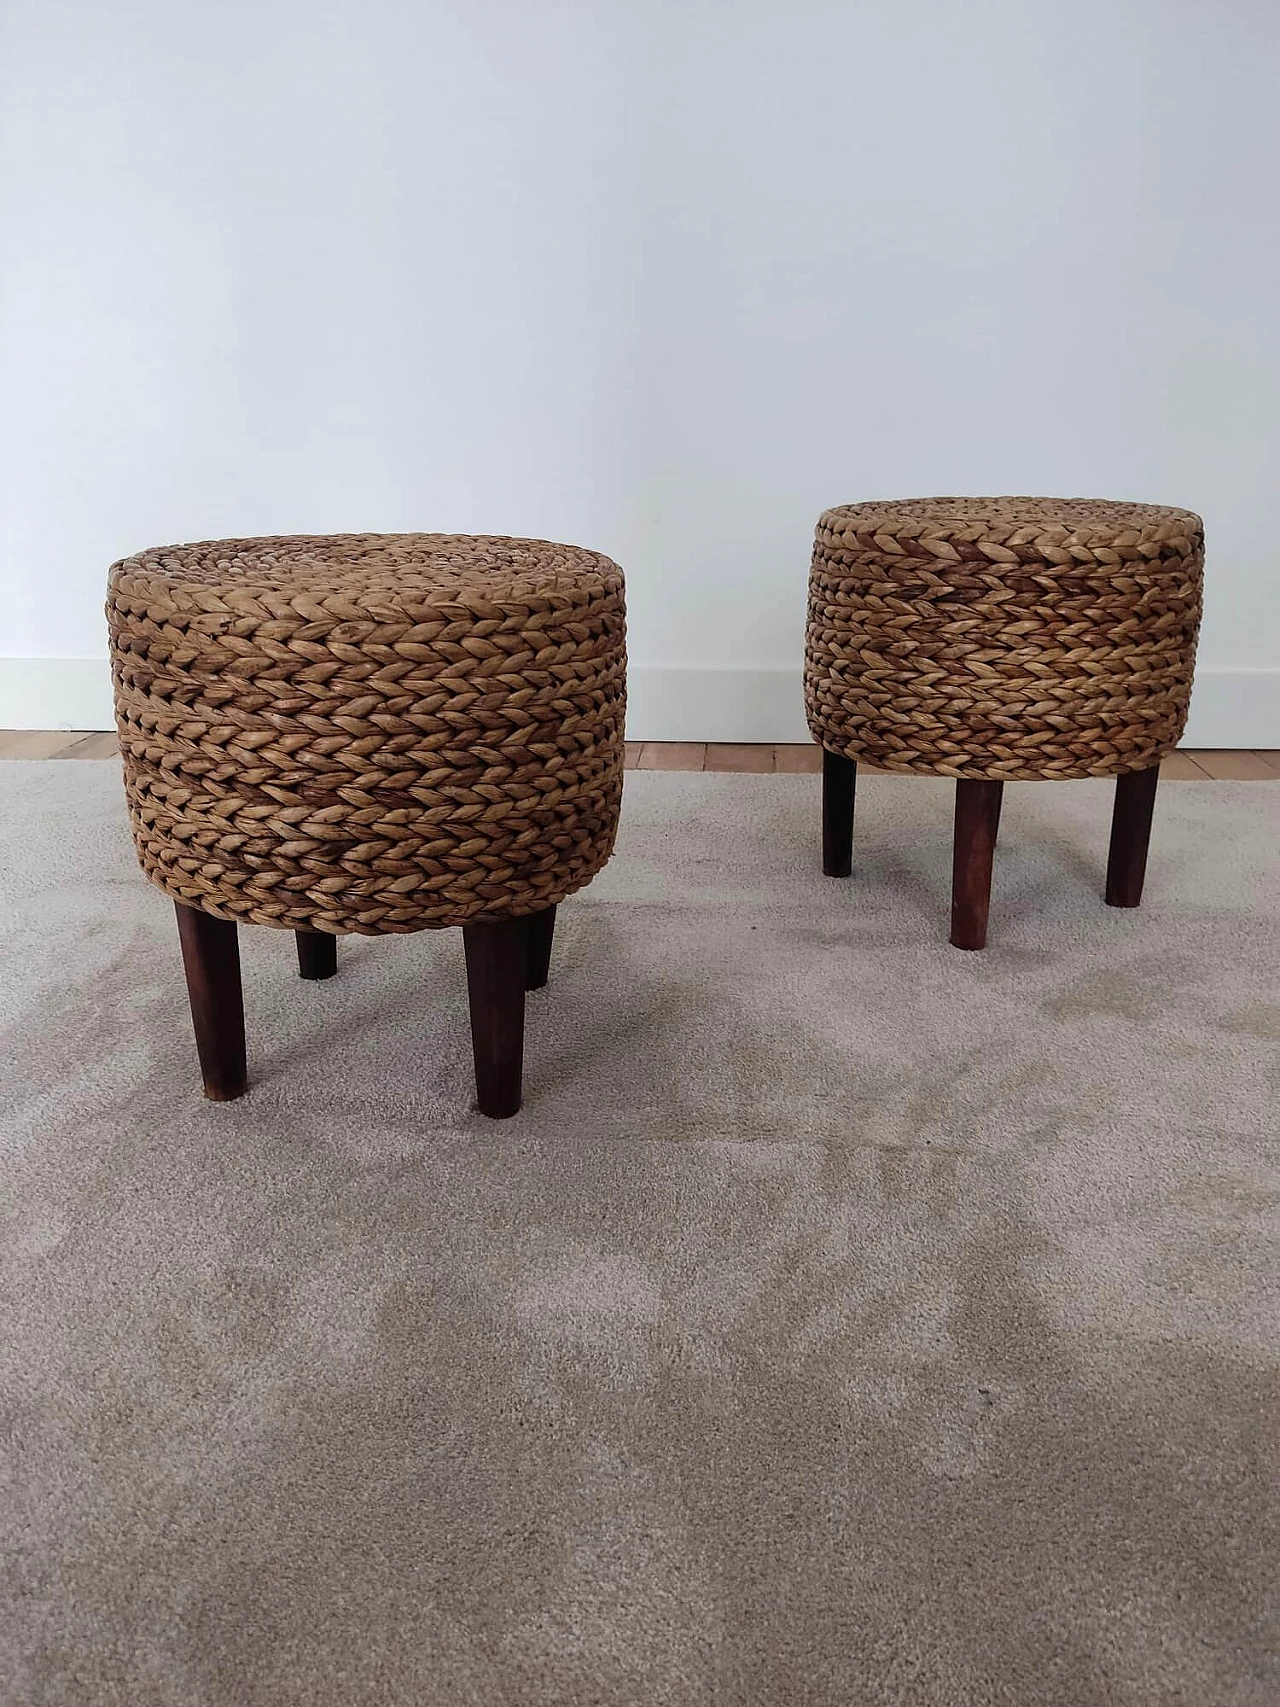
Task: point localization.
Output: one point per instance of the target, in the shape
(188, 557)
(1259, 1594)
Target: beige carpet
(845, 1320)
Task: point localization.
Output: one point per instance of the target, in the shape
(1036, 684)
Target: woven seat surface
(1003, 638)
(370, 733)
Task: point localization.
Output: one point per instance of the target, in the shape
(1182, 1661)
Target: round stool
(370, 733)
(996, 639)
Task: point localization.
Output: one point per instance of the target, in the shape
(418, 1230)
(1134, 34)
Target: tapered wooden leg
(541, 928)
(317, 954)
(839, 779)
(211, 959)
(977, 821)
(497, 954)
(1130, 835)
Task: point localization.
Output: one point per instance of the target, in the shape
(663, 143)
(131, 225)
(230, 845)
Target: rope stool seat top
(1003, 638)
(370, 732)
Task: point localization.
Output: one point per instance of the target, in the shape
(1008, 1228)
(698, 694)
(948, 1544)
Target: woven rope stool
(370, 733)
(996, 639)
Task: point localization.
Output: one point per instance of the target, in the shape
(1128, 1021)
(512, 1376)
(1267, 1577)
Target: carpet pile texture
(845, 1320)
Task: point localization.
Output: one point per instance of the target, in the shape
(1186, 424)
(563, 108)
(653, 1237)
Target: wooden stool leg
(541, 928)
(211, 959)
(1130, 835)
(497, 954)
(977, 821)
(839, 780)
(317, 954)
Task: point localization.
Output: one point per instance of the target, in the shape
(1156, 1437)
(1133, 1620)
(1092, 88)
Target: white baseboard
(1234, 708)
(1229, 708)
(55, 693)
(714, 705)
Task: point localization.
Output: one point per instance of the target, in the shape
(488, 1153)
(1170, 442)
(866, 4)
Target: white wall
(665, 277)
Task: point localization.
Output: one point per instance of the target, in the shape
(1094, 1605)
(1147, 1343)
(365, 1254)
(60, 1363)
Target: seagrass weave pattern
(370, 733)
(1002, 638)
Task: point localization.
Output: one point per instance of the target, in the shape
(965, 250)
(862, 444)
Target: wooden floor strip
(1182, 767)
(1225, 765)
(1254, 764)
(728, 756)
(91, 747)
(805, 759)
(673, 756)
(37, 743)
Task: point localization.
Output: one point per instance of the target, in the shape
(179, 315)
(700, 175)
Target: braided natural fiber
(370, 732)
(1003, 637)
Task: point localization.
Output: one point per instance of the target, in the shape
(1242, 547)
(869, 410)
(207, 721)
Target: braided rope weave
(370, 733)
(1003, 637)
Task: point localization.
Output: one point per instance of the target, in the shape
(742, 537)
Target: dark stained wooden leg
(211, 958)
(977, 821)
(839, 779)
(1130, 834)
(541, 928)
(317, 954)
(497, 954)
